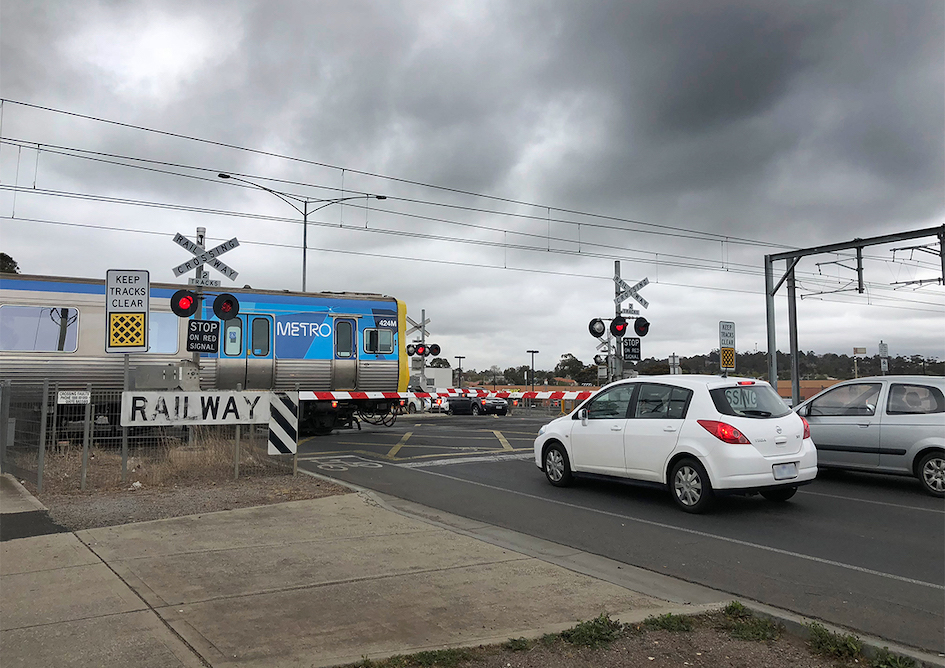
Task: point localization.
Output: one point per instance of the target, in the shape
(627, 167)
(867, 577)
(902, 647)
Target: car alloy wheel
(932, 473)
(475, 409)
(690, 486)
(557, 468)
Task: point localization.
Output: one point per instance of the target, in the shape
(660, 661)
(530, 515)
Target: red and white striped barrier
(448, 392)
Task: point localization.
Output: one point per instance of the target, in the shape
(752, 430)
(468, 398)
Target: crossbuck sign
(210, 257)
(628, 291)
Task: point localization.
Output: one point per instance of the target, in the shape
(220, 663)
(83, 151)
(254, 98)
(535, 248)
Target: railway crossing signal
(184, 303)
(226, 306)
(596, 328)
(618, 326)
(641, 326)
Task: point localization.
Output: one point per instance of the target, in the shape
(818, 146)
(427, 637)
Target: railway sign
(209, 257)
(418, 326)
(726, 345)
(73, 397)
(203, 336)
(127, 305)
(629, 291)
(631, 349)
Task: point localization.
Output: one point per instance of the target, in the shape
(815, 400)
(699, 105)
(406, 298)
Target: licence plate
(785, 471)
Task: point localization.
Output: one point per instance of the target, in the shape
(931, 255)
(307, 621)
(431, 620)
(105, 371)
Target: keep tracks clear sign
(144, 409)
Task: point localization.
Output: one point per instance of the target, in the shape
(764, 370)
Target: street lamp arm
(283, 196)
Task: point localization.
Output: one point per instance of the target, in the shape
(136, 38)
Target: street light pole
(305, 211)
(533, 353)
(460, 359)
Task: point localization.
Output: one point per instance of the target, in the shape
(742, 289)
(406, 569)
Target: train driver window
(378, 341)
(39, 328)
(233, 337)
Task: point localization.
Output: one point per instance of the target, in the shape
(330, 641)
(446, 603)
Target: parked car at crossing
(883, 424)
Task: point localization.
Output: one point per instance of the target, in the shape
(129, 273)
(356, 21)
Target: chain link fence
(61, 441)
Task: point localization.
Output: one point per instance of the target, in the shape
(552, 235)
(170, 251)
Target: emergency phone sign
(127, 305)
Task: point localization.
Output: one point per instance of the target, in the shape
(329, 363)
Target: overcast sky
(523, 147)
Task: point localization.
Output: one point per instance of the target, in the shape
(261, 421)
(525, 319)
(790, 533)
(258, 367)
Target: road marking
(505, 444)
(878, 503)
(394, 450)
(465, 460)
(694, 532)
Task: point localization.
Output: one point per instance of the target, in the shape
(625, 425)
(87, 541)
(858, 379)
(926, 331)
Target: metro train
(54, 328)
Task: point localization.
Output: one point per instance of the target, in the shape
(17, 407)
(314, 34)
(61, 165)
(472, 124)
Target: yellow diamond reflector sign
(126, 330)
(727, 358)
(127, 307)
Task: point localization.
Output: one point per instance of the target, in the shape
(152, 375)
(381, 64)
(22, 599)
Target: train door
(246, 353)
(344, 374)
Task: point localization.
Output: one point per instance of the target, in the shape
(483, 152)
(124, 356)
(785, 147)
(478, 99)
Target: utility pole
(460, 359)
(618, 345)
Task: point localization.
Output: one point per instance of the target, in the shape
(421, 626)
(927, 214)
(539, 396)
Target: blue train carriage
(54, 328)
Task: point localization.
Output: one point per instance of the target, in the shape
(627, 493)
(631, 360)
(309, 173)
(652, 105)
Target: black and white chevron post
(283, 423)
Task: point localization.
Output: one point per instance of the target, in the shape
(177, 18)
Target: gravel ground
(708, 645)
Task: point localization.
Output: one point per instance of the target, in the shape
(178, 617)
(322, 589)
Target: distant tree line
(812, 366)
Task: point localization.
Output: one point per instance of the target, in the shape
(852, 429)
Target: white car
(697, 435)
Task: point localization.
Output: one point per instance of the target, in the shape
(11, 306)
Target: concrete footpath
(319, 582)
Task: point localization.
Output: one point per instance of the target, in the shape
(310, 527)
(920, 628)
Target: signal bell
(184, 303)
(226, 306)
(641, 326)
(618, 326)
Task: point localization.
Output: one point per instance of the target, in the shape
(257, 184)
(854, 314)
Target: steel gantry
(791, 259)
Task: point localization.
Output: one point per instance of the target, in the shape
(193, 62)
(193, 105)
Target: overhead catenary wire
(744, 269)
(476, 265)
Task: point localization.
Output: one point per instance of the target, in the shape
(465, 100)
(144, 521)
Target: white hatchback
(697, 435)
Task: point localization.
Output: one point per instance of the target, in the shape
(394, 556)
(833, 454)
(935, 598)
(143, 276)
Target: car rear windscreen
(753, 401)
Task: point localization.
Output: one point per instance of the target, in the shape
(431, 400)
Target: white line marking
(878, 503)
(704, 534)
(464, 460)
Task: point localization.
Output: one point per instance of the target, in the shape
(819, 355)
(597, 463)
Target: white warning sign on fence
(145, 409)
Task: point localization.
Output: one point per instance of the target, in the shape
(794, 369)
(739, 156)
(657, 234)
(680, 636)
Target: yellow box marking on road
(505, 443)
(394, 450)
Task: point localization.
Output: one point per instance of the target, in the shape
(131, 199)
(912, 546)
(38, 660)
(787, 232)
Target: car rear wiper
(757, 413)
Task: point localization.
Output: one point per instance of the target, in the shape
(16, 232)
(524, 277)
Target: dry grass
(161, 459)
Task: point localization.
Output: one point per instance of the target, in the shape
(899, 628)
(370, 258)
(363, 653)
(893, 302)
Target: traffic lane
(419, 438)
(871, 602)
(907, 541)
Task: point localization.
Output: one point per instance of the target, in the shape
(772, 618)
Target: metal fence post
(43, 413)
(124, 430)
(86, 436)
(236, 445)
(6, 434)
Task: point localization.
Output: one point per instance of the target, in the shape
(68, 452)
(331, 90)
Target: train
(55, 328)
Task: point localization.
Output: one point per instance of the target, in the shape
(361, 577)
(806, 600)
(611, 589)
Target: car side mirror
(804, 410)
(582, 415)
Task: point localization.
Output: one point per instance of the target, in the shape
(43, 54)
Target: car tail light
(723, 431)
(806, 427)
(334, 404)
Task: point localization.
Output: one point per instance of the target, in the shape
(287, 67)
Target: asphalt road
(862, 551)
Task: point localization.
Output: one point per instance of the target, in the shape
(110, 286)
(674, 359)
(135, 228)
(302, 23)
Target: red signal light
(618, 326)
(226, 306)
(184, 303)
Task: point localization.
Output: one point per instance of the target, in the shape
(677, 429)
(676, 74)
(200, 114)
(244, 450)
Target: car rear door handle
(864, 425)
(616, 427)
(669, 428)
